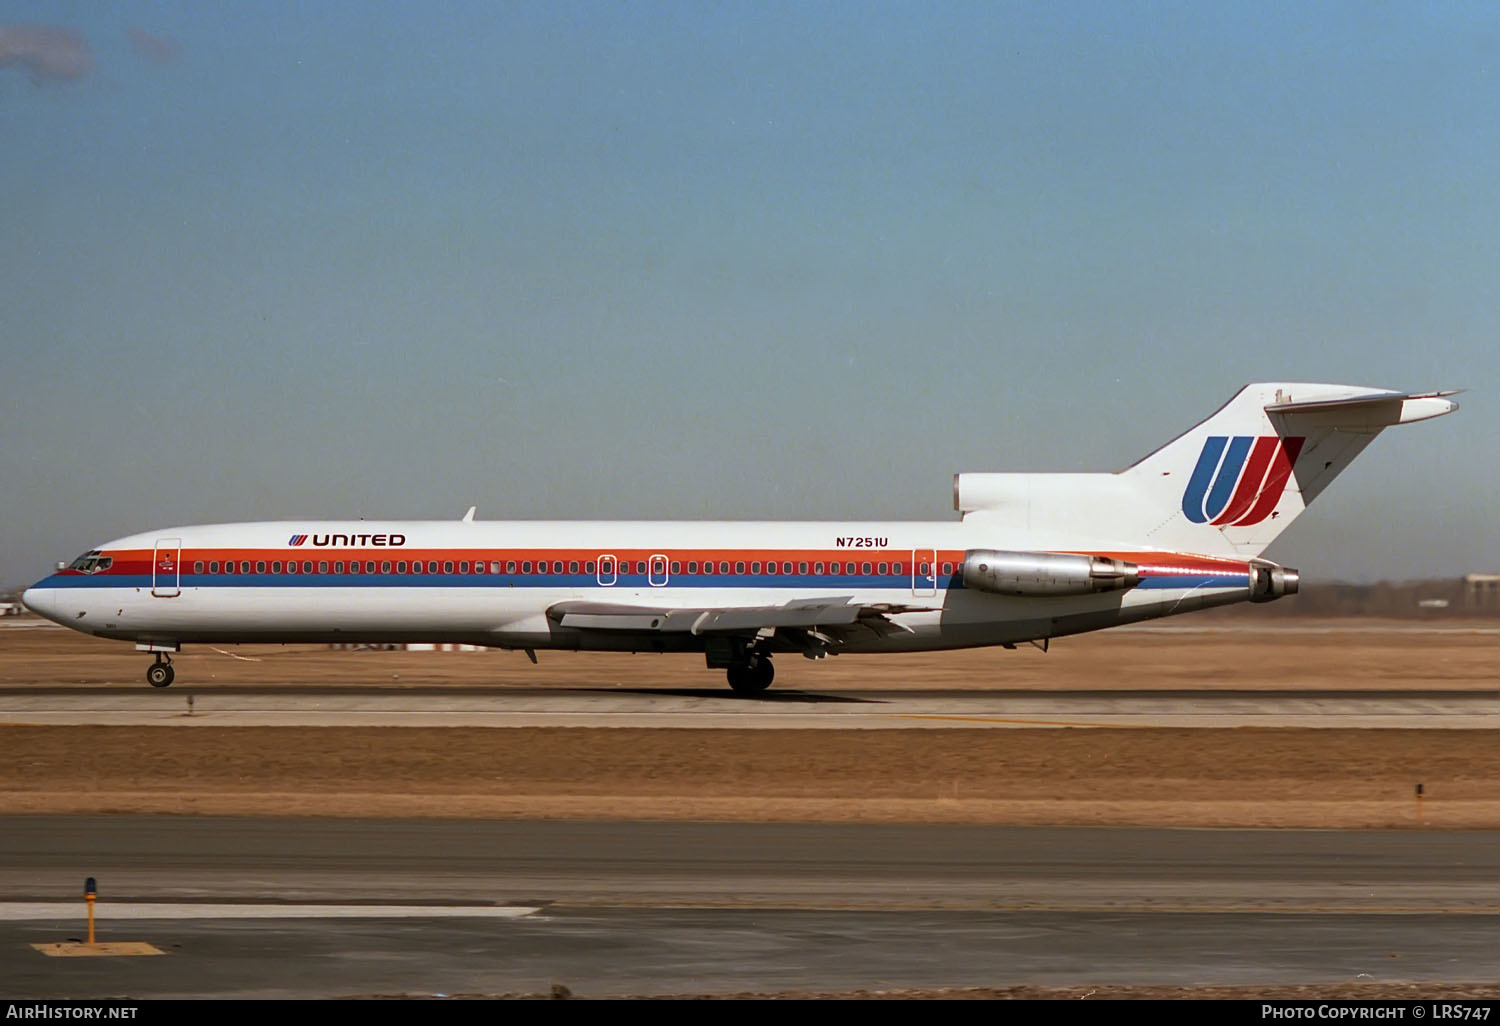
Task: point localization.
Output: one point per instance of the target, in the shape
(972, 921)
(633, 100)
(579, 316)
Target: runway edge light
(90, 891)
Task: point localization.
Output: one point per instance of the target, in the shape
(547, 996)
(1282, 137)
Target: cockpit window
(91, 562)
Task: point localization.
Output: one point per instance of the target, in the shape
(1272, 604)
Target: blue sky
(734, 260)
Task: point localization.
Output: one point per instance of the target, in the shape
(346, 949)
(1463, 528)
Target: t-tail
(1228, 486)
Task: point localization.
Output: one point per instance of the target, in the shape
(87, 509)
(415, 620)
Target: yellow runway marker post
(74, 948)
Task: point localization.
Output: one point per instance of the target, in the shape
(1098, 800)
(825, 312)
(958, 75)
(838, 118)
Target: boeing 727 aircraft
(1032, 557)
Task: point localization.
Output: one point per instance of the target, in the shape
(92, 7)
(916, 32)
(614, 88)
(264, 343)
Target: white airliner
(1032, 557)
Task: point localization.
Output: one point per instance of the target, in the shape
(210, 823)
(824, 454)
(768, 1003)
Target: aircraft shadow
(724, 694)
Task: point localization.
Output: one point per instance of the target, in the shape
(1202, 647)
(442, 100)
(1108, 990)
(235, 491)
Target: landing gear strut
(753, 675)
(160, 674)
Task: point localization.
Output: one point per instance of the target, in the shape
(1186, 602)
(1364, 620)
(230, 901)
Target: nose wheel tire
(753, 677)
(159, 675)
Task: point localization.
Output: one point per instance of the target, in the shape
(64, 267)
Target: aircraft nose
(40, 601)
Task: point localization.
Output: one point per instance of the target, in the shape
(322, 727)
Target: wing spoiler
(838, 611)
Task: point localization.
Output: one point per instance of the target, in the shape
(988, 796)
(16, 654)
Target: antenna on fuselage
(469, 516)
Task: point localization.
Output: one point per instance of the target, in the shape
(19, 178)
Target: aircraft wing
(824, 615)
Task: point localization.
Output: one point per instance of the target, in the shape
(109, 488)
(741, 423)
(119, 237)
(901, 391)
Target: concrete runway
(291, 704)
(421, 907)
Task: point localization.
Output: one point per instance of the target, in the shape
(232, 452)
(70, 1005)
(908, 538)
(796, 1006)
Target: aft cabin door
(923, 572)
(166, 568)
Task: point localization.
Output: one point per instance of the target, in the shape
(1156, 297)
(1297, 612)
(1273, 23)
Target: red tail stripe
(1281, 469)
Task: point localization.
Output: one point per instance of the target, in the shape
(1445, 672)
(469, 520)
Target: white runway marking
(110, 911)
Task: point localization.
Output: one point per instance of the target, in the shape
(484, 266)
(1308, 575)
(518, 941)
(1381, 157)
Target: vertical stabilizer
(1234, 482)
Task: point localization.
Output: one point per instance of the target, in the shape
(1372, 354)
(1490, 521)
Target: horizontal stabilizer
(1407, 407)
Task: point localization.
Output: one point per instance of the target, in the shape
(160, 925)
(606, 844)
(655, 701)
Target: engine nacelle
(1046, 573)
(1269, 582)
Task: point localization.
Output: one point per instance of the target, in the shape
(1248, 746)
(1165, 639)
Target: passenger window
(526, 567)
(338, 567)
(786, 568)
(884, 569)
(572, 566)
(354, 566)
(588, 567)
(463, 566)
(947, 569)
(322, 566)
(197, 567)
(802, 568)
(447, 566)
(755, 568)
(771, 569)
(739, 568)
(510, 566)
(307, 566)
(896, 568)
(432, 566)
(865, 568)
(494, 566)
(213, 566)
(245, 566)
(385, 566)
(276, 567)
(922, 570)
(818, 569)
(723, 566)
(369, 566)
(557, 566)
(692, 566)
(676, 568)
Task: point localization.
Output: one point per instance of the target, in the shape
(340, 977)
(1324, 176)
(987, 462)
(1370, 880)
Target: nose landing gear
(160, 674)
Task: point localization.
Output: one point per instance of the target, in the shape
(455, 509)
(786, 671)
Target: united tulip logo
(1239, 480)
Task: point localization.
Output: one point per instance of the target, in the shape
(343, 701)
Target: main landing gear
(160, 674)
(752, 675)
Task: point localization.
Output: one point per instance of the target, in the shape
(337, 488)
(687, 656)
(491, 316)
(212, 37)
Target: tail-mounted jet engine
(1046, 573)
(1268, 582)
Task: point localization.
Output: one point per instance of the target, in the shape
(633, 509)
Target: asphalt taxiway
(326, 908)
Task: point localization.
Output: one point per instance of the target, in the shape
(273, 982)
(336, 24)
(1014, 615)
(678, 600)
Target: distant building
(11, 609)
(1482, 591)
